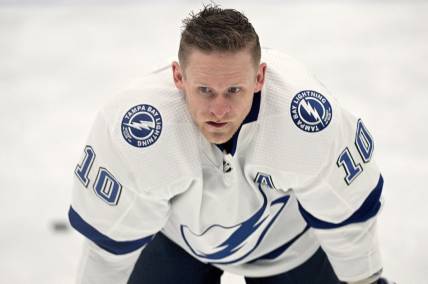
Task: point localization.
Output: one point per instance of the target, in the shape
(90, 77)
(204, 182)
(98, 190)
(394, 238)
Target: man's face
(219, 89)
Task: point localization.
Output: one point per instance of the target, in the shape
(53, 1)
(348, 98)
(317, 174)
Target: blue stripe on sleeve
(368, 209)
(110, 245)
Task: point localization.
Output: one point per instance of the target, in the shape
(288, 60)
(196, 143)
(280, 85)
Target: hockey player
(234, 159)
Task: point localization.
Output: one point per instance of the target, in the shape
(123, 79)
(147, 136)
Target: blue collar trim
(255, 108)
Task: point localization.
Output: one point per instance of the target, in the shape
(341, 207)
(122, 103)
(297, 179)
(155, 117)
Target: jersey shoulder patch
(311, 111)
(142, 125)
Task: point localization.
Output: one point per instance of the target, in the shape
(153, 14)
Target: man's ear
(178, 76)
(260, 79)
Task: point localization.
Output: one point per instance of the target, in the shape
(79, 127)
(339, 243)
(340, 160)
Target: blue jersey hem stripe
(367, 210)
(106, 243)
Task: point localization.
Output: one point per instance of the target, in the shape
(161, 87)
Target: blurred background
(60, 61)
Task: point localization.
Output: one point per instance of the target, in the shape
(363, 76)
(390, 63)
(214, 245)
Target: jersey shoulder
(300, 108)
(296, 101)
(150, 131)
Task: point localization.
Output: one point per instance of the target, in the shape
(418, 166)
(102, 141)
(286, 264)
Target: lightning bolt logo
(239, 240)
(141, 125)
(311, 111)
(148, 125)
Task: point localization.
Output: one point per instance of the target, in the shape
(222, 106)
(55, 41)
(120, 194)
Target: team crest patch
(142, 125)
(311, 111)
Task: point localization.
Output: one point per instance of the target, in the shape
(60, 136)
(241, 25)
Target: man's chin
(218, 138)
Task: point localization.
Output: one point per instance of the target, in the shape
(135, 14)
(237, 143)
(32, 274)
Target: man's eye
(234, 90)
(204, 90)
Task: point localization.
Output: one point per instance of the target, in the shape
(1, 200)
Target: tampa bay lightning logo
(242, 239)
(311, 111)
(142, 125)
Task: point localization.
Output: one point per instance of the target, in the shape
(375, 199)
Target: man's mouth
(216, 124)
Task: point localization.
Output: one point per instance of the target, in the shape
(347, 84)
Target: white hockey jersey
(300, 174)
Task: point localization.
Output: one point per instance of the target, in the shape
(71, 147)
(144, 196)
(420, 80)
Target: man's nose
(219, 107)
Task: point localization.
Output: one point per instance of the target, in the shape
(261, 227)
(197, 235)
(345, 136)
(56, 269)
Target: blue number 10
(106, 186)
(365, 146)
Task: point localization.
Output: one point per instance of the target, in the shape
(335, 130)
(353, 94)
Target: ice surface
(59, 62)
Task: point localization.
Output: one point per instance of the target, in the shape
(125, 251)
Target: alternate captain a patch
(311, 111)
(142, 125)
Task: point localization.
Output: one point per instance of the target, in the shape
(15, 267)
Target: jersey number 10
(105, 186)
(365, 146)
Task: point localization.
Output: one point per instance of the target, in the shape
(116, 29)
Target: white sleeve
(115, 212)
(342, 201)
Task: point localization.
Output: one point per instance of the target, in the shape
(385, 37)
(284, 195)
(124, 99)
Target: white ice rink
(60, 61)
